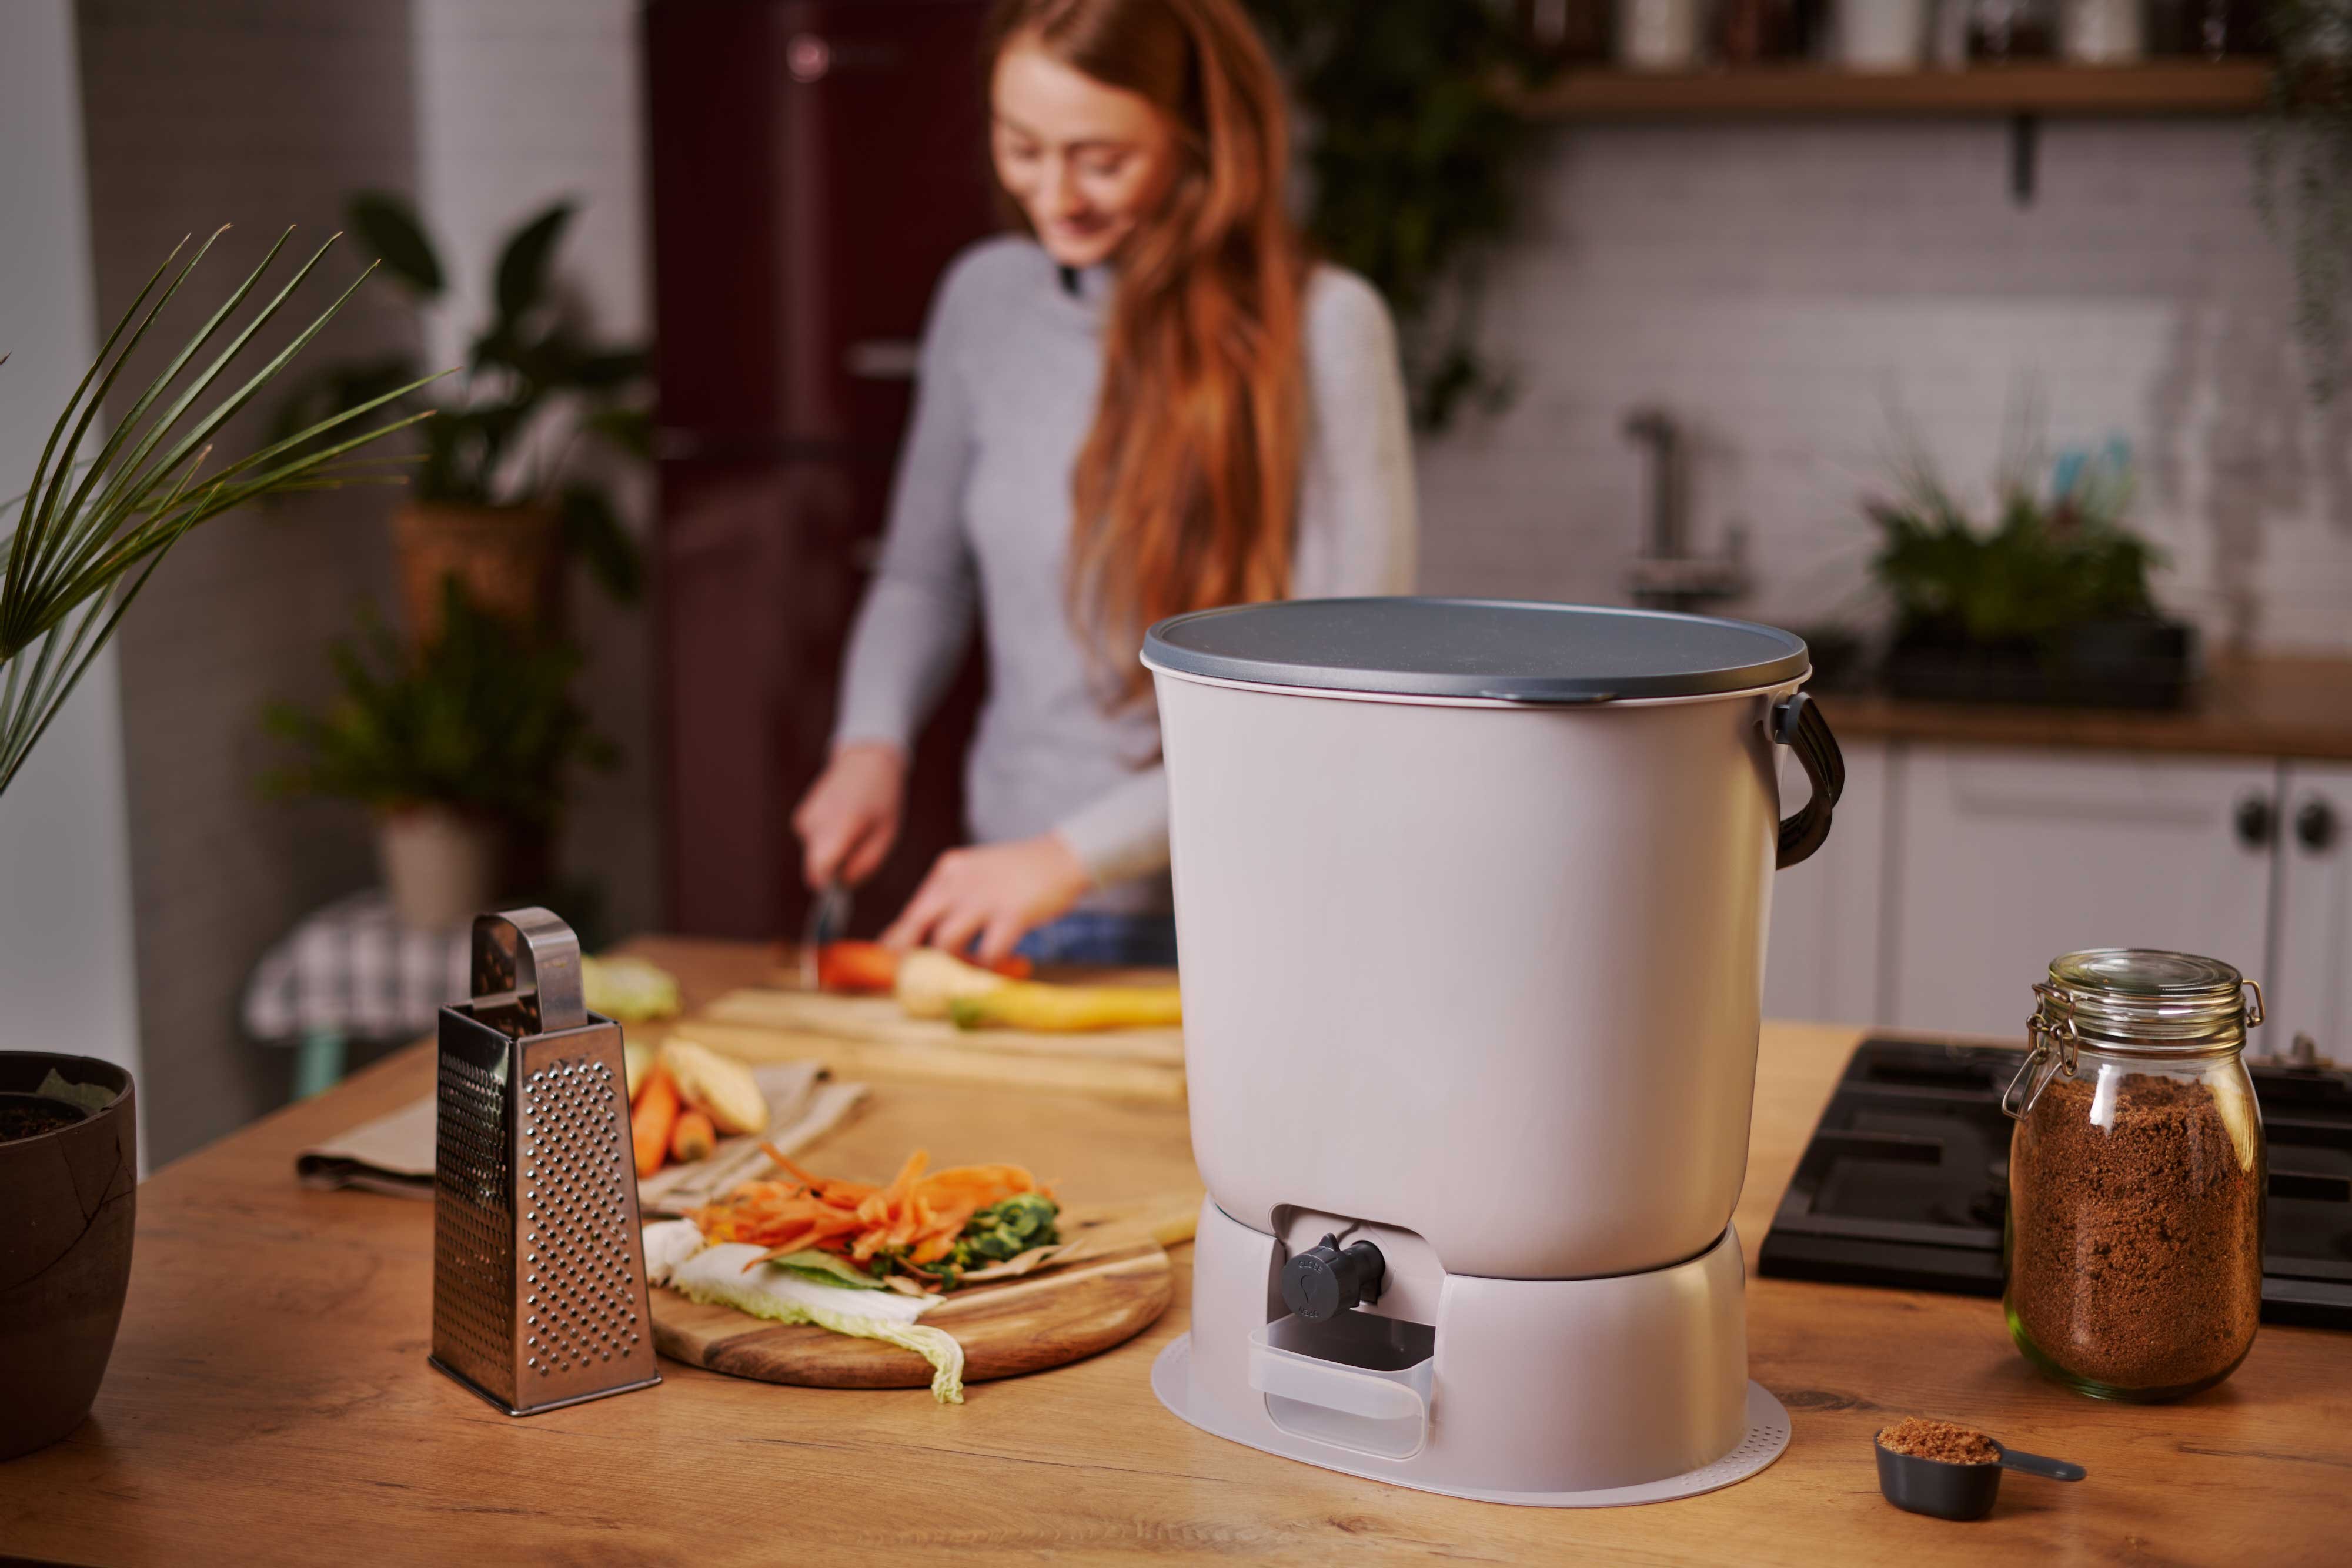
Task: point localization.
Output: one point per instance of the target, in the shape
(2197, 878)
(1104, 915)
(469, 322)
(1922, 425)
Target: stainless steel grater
(538, 1268)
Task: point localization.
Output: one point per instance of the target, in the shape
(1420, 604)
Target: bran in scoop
(1946, 1441)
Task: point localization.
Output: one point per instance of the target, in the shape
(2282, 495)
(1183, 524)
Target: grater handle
(546, 989)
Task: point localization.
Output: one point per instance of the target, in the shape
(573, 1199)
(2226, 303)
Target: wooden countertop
(269, 1401)
(2244, 707)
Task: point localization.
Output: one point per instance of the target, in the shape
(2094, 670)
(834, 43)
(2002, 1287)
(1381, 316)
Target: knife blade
(828, 918)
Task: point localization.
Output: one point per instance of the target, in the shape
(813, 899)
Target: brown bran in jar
(1946, 1441)
(2137, 1248)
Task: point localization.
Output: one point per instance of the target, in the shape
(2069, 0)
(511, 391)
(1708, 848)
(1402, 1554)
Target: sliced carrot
(915, 1217)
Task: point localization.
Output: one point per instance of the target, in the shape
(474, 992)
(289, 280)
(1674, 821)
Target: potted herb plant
(455, 746)
(101, 511)
(2048, 604)
(498, 491)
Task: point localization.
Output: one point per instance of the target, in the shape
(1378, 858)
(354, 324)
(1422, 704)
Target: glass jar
(2136, 1175)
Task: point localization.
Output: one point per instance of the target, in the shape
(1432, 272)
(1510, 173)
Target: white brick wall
(1783, 287)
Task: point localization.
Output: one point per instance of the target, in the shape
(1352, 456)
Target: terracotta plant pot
(441, 865)
(67, 1198)
(503, 557)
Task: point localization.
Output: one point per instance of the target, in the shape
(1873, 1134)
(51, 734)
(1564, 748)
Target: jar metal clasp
(2051, 1051)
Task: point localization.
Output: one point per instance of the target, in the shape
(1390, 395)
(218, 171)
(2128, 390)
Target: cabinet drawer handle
(2256, 820)
(2315, 826)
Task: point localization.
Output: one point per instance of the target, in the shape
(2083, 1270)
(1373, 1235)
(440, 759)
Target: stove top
(1906, 1181)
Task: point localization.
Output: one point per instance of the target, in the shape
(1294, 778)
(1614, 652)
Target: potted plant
(85, 535)
(1415, 121)
(496, 488)
(454, 746)
(2048, 604)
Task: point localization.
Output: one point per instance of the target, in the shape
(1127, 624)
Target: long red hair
(1185, 492)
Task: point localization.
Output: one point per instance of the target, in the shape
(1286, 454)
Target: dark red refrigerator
(815, 164)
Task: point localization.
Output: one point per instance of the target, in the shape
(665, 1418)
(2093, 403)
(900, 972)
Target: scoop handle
(2035, 1465)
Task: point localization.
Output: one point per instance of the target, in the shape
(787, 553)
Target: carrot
(856, 967)
(650, 1123)
(693, 1137)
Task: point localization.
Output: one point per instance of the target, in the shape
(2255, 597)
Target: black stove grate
(1906, 1181)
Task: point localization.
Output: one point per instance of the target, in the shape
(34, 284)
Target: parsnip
(930, 980)
(719, 1084)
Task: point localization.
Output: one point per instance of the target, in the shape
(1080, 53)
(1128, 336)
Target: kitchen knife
(828, 918)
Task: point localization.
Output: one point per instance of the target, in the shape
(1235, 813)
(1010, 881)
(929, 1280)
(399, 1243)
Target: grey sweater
(980, 521)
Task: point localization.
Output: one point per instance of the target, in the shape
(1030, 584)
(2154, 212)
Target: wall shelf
(2183, 86)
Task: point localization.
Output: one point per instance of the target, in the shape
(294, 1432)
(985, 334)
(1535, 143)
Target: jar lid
(2147, 997)
(1499, 650)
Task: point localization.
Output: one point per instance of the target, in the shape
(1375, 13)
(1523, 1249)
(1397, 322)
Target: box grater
(539, 1269)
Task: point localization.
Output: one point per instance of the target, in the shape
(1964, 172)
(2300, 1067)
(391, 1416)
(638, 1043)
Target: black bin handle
(1797, 724)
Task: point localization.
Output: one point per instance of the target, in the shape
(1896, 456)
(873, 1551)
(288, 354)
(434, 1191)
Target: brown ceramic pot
(502, 557)
(66, 1204)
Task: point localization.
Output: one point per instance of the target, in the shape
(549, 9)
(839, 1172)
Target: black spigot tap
(1325, 1281)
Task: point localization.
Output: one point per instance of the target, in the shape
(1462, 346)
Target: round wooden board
(1021, 1325)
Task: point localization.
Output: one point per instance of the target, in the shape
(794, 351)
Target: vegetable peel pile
(862, 1259)
(723, 1276)
(922, 1233)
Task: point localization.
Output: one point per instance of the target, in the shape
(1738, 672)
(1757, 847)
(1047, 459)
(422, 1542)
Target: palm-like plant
(86, 535)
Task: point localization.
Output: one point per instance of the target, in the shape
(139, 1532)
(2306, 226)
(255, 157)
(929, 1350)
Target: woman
(1148, 404)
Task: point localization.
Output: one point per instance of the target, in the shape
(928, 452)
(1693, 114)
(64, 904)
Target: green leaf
(593, 529)
(602, 371)
(386, 225)
(824, 1269)
(524, 263)
(630, 430)
(339, 388)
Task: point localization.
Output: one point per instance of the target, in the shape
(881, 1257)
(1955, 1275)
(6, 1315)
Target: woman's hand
(849, 819)
(997, 893)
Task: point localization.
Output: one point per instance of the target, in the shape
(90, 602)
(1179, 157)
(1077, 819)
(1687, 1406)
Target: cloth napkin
(394, 1153)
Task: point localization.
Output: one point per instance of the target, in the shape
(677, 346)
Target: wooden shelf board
(2153, 87)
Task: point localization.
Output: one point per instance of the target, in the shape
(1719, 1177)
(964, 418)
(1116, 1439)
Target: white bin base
(1768, 1435)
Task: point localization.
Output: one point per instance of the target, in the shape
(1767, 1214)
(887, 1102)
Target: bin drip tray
(1768, 1435)
(1905, 1182)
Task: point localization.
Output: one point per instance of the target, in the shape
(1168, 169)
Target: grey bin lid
(1516, 651)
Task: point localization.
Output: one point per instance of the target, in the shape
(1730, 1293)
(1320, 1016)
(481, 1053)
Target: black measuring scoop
(1942, 1489)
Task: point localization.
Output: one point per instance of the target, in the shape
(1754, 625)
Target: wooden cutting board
(1021, 1325)
(864, 1037)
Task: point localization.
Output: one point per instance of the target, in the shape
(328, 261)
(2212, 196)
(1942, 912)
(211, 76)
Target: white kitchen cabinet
(2000, 860)
(1824, 955)
(2313, 992)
